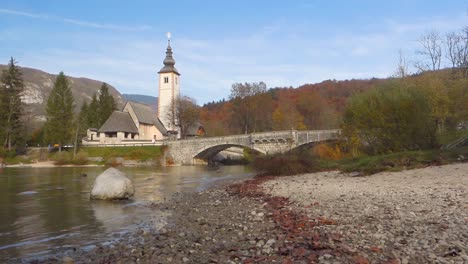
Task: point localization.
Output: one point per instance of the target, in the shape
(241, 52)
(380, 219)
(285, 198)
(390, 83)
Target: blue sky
(218, 43)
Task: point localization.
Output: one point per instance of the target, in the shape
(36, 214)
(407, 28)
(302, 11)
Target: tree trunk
(75, 145)
(9, 142)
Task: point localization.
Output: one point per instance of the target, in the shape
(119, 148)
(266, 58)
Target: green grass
(131, 153)
(17, 160)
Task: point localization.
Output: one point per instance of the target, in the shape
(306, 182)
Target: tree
(452, 48)
(81, 126)
(106, 104)
(92, 116)
(244, 105)
(11, 88)
(431, 50)
(59, 112)
(185, 114)
(402, 67)
(390, 118)
(286, 116)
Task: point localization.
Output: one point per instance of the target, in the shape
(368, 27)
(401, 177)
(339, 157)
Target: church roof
(169, 62)
(143, 112)
(119, 122)
(146, 115)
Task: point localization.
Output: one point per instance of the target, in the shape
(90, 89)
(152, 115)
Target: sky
(218, 43)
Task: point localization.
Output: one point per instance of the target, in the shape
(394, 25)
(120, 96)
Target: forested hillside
(310, 106)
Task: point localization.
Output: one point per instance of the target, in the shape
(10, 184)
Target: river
(47, 210)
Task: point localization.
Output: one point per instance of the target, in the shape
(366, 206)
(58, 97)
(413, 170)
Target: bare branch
(431, 50)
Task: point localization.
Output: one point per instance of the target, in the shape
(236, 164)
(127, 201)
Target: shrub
(81, 158)
(328, 152)
(3, 152)
(113, 162)
(286, 163)
(62, 158)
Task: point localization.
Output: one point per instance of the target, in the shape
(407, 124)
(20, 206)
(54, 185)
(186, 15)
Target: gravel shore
(414, 216)
(417, 216)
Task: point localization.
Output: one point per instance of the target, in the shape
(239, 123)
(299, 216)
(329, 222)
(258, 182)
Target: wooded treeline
(310, 106)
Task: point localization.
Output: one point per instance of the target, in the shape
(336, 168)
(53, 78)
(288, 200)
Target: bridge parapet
(188, 150)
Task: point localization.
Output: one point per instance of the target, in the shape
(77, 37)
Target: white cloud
(75, 21)
(21, 13)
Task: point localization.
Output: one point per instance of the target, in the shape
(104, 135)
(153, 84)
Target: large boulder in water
(112, 184)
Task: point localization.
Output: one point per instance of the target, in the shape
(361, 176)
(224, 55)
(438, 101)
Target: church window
(166, 79)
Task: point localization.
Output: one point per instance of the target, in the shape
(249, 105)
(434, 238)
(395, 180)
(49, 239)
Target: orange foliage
(325, 151)
(310, 106)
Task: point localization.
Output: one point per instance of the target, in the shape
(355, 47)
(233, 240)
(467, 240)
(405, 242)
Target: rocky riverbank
(417, 216)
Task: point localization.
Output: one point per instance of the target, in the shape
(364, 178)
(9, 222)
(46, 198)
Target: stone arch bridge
(199, 150)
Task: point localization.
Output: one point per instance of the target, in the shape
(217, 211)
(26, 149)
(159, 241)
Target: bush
(328, 152)
(81, 158)
(113, 162)
(62, 158)
(290, 163)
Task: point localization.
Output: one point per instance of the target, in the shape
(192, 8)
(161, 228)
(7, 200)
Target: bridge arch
(207, 153)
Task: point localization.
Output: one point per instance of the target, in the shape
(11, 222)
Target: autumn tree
(11, 88)
(245, 115)
(59, 112)
(436, 92)
(286, 116)
(185, 114)
(390, 118)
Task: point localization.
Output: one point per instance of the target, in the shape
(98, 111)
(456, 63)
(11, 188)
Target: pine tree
(11, 88)
(92, 117)
(106, 104)
(59, 110)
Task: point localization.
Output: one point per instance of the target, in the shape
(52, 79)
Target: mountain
(38, 85)
(146, 99)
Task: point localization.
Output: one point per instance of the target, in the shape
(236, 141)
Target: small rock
(355, 174)
(270, 242)
(67, 260)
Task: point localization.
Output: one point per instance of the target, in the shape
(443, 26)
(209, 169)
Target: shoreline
(305, 219)
(47, 164)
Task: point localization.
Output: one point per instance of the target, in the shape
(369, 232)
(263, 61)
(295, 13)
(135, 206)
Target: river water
(46, 210)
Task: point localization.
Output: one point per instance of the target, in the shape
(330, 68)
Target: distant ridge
(146, 99)
(38, 85)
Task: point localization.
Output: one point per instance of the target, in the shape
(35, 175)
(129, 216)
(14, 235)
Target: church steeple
(169, 61)
(169, 90)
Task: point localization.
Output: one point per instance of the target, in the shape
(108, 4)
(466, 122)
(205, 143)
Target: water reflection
(43, 209)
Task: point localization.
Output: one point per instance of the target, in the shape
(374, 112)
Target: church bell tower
(169, 89)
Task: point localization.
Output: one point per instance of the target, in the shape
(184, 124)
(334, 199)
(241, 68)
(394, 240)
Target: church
(137, 123)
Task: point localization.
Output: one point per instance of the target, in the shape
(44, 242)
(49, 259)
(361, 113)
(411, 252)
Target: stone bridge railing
(191, 151)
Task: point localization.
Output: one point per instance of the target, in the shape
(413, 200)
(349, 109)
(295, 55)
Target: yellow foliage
(324, 151)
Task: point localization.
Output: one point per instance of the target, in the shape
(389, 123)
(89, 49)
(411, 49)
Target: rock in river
(112, 184)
